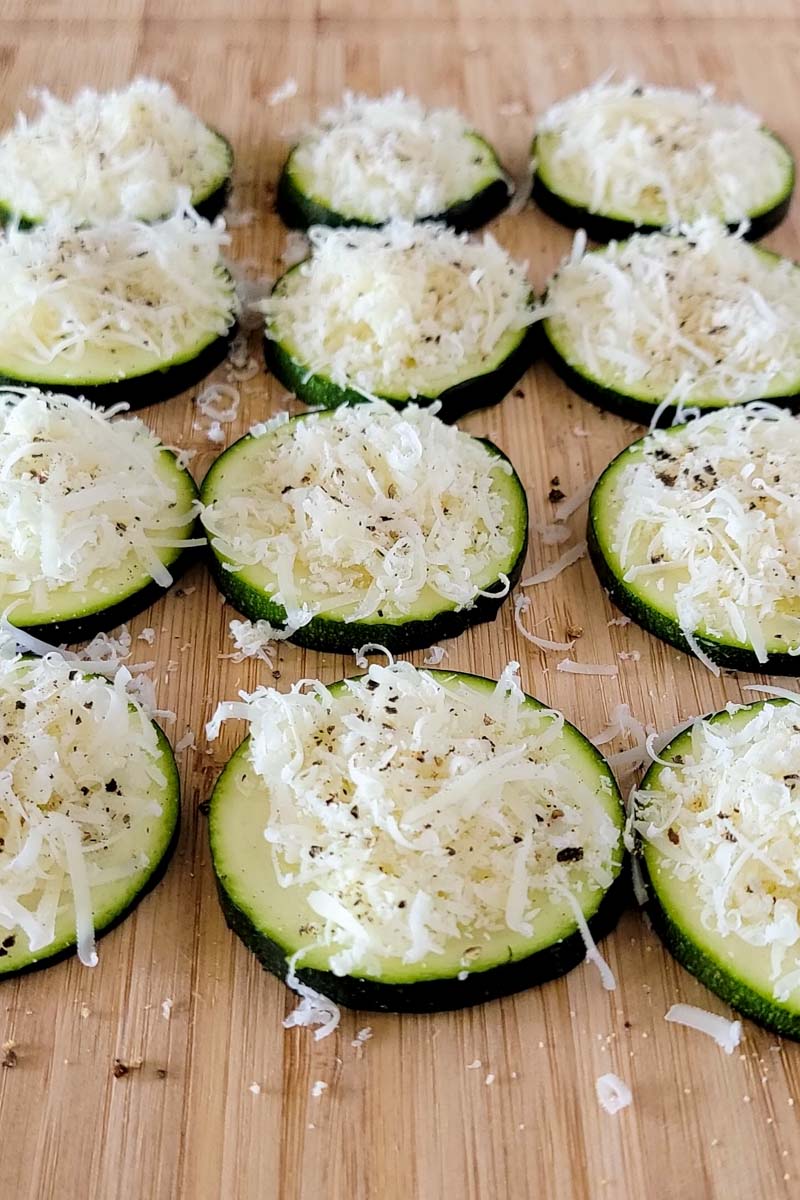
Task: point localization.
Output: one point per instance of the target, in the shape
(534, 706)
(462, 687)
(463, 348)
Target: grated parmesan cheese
(365, 510)
(253, 639)
(114, 301)
(696, 317)
(570, 556)
(704, 525)
(104, 155)
(727, 1034)
(731, 804)
(375, 159)
(64, 829)
(450, 828)
(88, 506)
(403, 311)
(655, 155)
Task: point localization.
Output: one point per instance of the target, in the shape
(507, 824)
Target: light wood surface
(404, 1117)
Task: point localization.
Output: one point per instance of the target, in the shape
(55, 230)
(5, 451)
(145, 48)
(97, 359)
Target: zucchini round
(94, 516)
(692, 531)
(391, 314)
(558, 836)
(80, 849)
(723, 908)
(616, 158)
(362, 524)
(649, 325)
(121, 312)
(132, 154)
(374, 160)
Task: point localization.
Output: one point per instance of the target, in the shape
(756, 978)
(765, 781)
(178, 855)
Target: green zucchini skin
(631, 408)
(743, 999)
(140, 391)
(432, 995)
(299, 211)
(728, 657)
(153, 879)
(606, 229)
(483, 391)
(344, 637)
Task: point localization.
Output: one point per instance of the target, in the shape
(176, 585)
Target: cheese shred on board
(146, 293)
(80, 773)
(365, 508)
(697, 317)
(465, 823)
(83, 496)
(389, 157)
(725, 823)
(103, 155)
(657, 155)
(400, 311)
(705, 523)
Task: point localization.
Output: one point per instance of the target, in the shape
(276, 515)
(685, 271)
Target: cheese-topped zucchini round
(123, 311)
(96, 517)
(364, 524)
(694, 532)
(415, 840)
(716, 819)
(372, 160)
(88, 809)
(402, 313)
(657, 322)
(619, 157)
(133, 153)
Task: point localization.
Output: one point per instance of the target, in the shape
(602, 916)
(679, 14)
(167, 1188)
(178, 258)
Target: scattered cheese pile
(706, 522)
(727, 1034)
(697, 317)
(461, 822)
(78, 764)
(153, 292)
(402, 311)
(80, 495)
(658, 155)
(364, 509)
(111, 154)
(725, 820)
(374, 159)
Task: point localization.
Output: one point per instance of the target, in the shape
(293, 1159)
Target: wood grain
(405, 1116)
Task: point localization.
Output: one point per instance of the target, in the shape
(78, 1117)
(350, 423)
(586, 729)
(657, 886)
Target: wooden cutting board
(493, 1103)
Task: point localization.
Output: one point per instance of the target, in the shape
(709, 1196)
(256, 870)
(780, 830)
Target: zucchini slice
(88, 810)
(401, 313)
(373, 160)
(439, 840)
(96, 517)
(650, 325)
(693, 531)
(619, 157)
(133, 154)
(363, 524)
(120, 312)
(716, 821)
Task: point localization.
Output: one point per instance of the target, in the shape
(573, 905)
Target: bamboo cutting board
(496, 1102)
